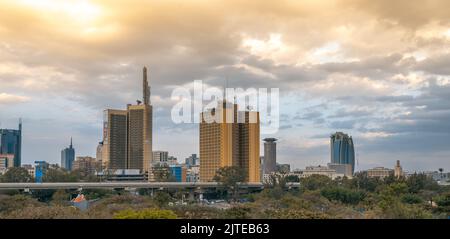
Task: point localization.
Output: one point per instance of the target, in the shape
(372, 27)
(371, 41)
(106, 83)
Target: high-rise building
(114, 150)
(342, 149)
(127, 134)
(270, 155)
(398, 171)
(229, 142)
(68, 156)
(160, 157)
(191, 160)
(11, 143)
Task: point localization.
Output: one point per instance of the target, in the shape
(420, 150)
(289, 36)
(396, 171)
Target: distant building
(172, 160)
(68, 156)
(342, 150)
(30, 169)
(283, 168)
(11, 143)
(193, 174)
(270, 155)
(87, 165)
(261, 168)
(439, 177)
(228, 142)
(379, 172)
(179, 172)
(6, 161)
(121, 175)
(160, 157)
(317, 170)
(40, 168)
(398, 171)
(127, 134)
(99, 151)
(192, 160)
(345, 169)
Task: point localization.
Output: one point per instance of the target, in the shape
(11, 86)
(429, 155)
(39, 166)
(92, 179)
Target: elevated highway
(129, 185)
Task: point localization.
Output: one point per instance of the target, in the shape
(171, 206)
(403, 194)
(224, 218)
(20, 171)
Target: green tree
(151, 213)
(315, 182)
(59, 175)
(292, 179)
(162, 198)
(343, 195)
(162, 173)
(411, 199)
(230, 178)
(61, 197)
(443, 203)
(417, 182)
(16, 175)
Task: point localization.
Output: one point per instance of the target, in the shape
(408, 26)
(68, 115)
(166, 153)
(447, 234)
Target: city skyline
(379, 75)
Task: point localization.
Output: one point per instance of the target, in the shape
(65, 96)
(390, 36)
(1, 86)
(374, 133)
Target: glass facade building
(11, 143)
(342, 149)
(67, 157)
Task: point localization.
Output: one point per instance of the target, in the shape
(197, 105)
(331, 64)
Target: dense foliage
(318, 197)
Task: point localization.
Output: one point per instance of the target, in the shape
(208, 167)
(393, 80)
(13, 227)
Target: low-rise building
(30, 169)
(179, 172)
(87, 165)
(379, 172)
(121, 175)
(318, 170)
(6, 161)
(40, 168)
(345, 169)
(193, 174)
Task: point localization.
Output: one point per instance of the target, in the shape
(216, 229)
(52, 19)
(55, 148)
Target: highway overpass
(129, 185)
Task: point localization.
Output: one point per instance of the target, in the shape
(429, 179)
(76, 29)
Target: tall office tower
(342, 150)
(229, 143)
(127, 134)
(270, 155)
(68, 156)
(11, 143)
(398, 171)
(114, 150)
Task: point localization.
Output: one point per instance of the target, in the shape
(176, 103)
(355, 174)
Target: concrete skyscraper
(270, 155)
(68, 156)
(342, 150)
(11, 144)
(127, 134)
(224, 144)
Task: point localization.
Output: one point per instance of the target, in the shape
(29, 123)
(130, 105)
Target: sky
(376, 70)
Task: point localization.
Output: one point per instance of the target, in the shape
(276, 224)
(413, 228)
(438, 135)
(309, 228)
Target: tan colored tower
(398, 171)
(127, 134)
(114, 151)
(229, 144)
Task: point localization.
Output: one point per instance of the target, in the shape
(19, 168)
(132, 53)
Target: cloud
(12, 99)
(370, 68)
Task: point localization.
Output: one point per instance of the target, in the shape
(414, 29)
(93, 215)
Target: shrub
(150, 213)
